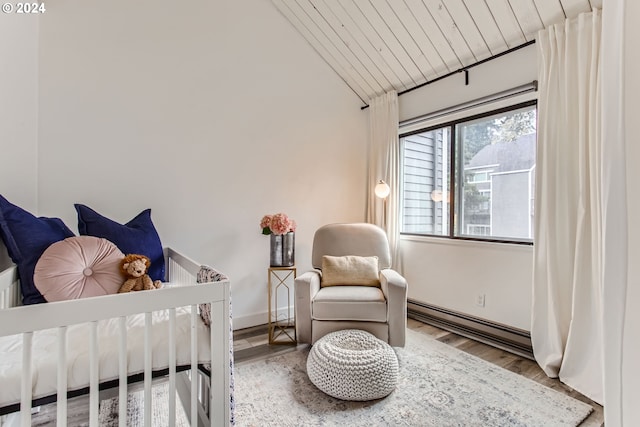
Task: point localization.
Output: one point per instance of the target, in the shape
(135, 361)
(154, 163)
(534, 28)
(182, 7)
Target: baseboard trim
(514, 340)
(244, 322)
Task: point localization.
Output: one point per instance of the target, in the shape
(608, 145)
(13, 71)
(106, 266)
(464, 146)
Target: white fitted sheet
(45, 353)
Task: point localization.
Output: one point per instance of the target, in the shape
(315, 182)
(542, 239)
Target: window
(473, 178)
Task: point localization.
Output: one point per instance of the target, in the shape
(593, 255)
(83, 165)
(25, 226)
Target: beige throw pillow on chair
(350, 270)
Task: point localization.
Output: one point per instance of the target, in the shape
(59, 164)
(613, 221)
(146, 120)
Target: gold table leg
(282, 327)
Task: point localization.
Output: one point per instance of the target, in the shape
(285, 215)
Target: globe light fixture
(382, 189)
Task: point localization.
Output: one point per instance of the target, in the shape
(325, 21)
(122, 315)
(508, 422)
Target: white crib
(113, 359)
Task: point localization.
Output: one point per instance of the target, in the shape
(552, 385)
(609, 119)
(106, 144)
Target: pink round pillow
(79, 267)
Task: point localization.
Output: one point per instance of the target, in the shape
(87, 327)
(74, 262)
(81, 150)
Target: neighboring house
(499, 189)
(424, 207)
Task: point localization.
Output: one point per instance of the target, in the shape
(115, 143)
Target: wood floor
(252, 343)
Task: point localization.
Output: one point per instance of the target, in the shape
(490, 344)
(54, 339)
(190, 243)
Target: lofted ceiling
(379, 45)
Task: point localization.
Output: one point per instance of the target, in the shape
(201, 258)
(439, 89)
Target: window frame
(454, 150)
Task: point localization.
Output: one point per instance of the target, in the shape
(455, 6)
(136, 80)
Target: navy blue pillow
(26, 238)
(138, 236)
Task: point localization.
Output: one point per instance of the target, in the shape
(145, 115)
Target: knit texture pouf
(353, 365)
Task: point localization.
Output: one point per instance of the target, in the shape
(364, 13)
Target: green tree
(473, 199)
(475, 136)
(513, 126)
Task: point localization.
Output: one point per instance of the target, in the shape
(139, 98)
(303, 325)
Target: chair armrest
(306, 287)
(394, 287)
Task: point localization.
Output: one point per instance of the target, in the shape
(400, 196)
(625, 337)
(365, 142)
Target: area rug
(438, 386)
(135, 409)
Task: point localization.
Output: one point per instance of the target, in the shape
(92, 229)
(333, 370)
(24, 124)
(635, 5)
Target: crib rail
(183, 291)
(9, 288)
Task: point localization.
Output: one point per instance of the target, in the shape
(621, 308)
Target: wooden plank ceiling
(379, 45)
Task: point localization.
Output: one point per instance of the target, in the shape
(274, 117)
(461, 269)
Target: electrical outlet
(480, 300)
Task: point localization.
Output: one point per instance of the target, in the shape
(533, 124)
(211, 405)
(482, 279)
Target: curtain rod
(463, 69)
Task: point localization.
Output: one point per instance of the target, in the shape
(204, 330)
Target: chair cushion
(351, 239)
(350, 270)
(359, 303)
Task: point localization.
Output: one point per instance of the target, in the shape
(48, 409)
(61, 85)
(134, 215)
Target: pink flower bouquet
(277, 224)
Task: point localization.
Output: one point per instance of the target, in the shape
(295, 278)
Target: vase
(283, 250)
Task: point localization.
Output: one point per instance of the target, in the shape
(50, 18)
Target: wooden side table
(282, 322)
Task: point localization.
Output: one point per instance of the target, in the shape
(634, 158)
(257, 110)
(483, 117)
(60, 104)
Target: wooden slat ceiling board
(381, 45)
(487, 25)
(551, 12)
(391, 40)
(507, 22)
(465, 25)
(575, 7)
(528, 17)
(377, 79)
(398, 73)
(426, 46)
(387, 14)
(437, 38)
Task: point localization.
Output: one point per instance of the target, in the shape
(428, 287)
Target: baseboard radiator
(505, 337)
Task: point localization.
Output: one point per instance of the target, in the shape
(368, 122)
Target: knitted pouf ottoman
(353, 365)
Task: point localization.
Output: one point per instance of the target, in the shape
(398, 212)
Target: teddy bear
(135, 267)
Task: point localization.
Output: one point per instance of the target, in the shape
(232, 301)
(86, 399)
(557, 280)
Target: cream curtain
(567, 292)
(384, 158)
(621, 201)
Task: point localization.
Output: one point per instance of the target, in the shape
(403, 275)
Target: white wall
(210, 113)
(19, 108)
(18, 113)
(449, 273)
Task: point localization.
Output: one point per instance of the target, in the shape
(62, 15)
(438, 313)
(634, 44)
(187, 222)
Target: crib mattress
(45, 353)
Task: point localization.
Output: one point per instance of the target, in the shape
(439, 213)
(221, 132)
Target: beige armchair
(380, 310)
